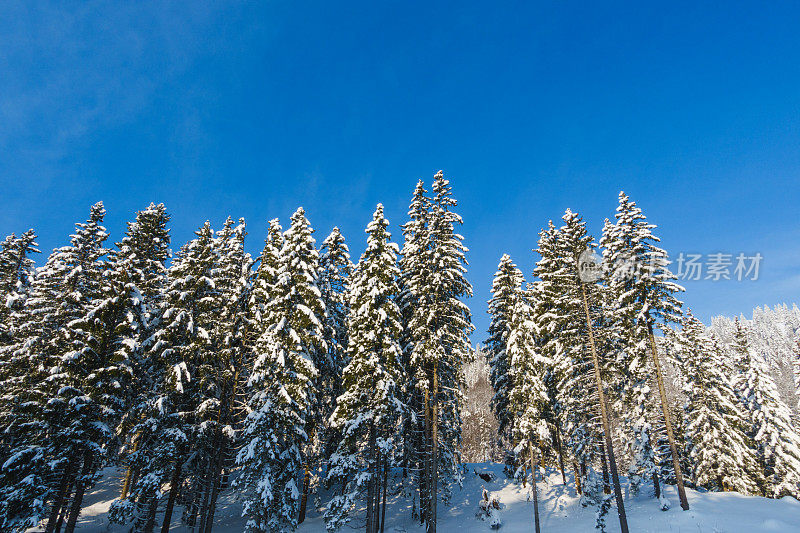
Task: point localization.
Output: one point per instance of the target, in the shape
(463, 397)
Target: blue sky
(252, 109)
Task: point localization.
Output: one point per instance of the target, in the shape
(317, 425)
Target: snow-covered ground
(560, 510)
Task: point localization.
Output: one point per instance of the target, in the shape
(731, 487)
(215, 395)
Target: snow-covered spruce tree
(562, 321)
(89, 398)
(642, 295)
(721, 451)
(219, 372)
(183, 344)
(369, 410)
(738, 358)
(506, 293)
(16, 274)
(600, 334)
(438, 331)
(334, 279)
(139, 263)
(28, 478)
(529, 401)
(776, 439)
(413, 275)
(138, 271)
(666, 469)
(265, 277)
(675, 381)
(257, 432)
(542, 295)
(58, 428)
(282, 394)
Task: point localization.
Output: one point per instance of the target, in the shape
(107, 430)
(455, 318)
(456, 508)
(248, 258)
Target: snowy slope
(560, 510)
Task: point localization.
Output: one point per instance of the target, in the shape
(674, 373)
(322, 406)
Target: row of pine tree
(729, 426)
(212, 370)
(298, 371)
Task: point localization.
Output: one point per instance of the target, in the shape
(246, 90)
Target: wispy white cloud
(71, 69)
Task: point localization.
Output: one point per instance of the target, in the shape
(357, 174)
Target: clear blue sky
(253, 109)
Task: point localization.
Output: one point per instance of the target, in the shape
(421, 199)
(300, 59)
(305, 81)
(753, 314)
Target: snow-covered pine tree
(88, 400)
(28, 477)
(776, 439)
(441, 343)
(562, 324)
(576, 243)
(414, 275)
(139, 263)
(674, 381)
(666, 469)
(529, 401)
(265, 277)
(506, 293)
(542, 295)
(16, 274)
(571, 319)
(220, 371)
(369, 411)
(334, 279)
(642, 295)
(280, 419)
(138, 270)
(738, 358)
(721, 451)
(182, 344)
(58, 429)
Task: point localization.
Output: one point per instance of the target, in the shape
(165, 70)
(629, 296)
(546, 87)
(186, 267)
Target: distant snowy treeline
(773, 336)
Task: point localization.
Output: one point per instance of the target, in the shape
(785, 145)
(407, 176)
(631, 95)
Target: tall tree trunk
(583, 469)
(62, 514)
(152, 509)
(135, 478)
(434, 496)
(173, 493)
(306, 481)
(577, 478)
(405, 461)
(425, 478)
(58, 502)
(604, 463)
(204, 487)
(612, 462)
(192, 511)
(80, 489)
(304, 495)
(371, 485)
(385, 484)
(560, 450)
(535, 491)
(676, 463)
(126, 486)
(656, 485)
(216, 479)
